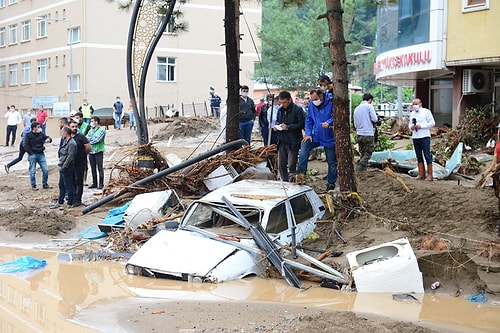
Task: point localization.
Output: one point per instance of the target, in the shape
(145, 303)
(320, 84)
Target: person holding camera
(421, 121)
(365, 120)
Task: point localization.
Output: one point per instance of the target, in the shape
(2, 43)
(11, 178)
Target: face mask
(323, 88)
(92, 125)
(317, 102)
(39, 130)
(244, 94)
(415, 108)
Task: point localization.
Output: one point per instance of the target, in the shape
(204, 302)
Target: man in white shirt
(365, 119)
(13, 119)
(421, 121)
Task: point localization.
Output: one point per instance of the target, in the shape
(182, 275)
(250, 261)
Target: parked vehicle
(106, 116)
(212, 245)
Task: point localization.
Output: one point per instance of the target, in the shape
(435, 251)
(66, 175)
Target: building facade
(445, 49)
(62, 51)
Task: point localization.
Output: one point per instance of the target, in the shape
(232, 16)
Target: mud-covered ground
(451, 225)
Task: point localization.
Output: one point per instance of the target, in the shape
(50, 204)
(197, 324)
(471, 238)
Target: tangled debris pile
(190, 180)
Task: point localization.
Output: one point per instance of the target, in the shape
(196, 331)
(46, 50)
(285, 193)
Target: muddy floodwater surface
(77, 296)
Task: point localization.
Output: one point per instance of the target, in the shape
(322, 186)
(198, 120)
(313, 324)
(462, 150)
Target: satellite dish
(478, 80)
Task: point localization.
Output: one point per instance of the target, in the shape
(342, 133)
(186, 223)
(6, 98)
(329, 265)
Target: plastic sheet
(22, 264)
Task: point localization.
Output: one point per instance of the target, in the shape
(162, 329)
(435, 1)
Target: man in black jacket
(34, 145)
(290, 123)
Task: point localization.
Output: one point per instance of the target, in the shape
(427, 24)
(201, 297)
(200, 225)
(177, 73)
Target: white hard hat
(72, 113)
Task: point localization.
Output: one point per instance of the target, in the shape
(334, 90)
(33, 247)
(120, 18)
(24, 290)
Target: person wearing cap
(421, 121)
(215, 102)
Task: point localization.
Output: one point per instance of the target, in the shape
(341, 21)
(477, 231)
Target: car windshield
(220, 220)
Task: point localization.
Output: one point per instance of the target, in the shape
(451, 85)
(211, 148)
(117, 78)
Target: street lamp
(70, 53)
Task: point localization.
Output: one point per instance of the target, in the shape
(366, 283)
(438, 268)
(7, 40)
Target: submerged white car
(211, 244)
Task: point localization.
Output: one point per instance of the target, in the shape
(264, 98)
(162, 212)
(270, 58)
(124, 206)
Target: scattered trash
(22, 264)
(478, 298)
(405, 298)
(435, 285)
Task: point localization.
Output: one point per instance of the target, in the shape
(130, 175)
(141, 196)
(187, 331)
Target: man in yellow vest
(87, 110)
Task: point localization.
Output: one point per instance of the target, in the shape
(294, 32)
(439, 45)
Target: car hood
(184, 253)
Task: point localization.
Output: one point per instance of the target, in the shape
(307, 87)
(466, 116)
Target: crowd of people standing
(82, 142)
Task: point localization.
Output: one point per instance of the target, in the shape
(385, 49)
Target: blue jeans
(19, 158)
(246, 130)
(131, 120)
(42, 162)
(422, 148)
(67, 184)
(331, 159)
(118, 119)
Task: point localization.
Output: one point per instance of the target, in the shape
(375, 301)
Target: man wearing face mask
(82, 150)
(34, 145)
(247, 115)
(325, 85)
(83, 126)
(421, 121)
(318, 131)
(96, 137)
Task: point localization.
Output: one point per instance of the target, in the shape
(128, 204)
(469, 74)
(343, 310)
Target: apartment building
(445, 49)
(56, 51)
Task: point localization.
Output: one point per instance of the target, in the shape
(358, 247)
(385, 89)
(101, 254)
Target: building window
(26, 72)
(11, 2)
(74, 35)
(3, 39)
(26, 29)
(13, 75)
(41, 69)
(41, 27)
(2, 3)
(474, 5)
(3, 77)
(165, 69)
(13, 34)
(76, 82)
(403, 24)
(170, 28)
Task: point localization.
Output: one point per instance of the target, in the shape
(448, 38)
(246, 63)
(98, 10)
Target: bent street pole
(228, 146)
(143, 37)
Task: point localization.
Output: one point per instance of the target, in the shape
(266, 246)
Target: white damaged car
(212, 245)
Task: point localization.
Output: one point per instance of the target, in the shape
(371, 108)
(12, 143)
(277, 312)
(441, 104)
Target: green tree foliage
(293, 55)
(292, 51)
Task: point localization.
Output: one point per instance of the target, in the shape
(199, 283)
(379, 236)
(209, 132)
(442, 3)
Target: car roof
(264, 194)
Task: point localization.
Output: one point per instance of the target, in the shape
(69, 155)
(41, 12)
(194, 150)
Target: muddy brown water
(52, 299)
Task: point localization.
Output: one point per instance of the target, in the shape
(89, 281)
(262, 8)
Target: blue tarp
(114, 217)
(22, 264)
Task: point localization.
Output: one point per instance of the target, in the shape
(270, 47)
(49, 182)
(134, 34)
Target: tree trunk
(232, 35)
(341, 126)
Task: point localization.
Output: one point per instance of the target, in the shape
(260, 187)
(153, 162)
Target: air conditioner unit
(477, 81)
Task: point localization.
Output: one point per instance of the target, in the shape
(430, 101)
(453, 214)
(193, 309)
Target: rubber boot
(430, 175)
(421, 171)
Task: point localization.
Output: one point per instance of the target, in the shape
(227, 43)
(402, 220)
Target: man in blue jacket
(318, 131)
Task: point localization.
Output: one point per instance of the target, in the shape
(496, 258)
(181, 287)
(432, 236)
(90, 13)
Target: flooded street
(76, 296)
